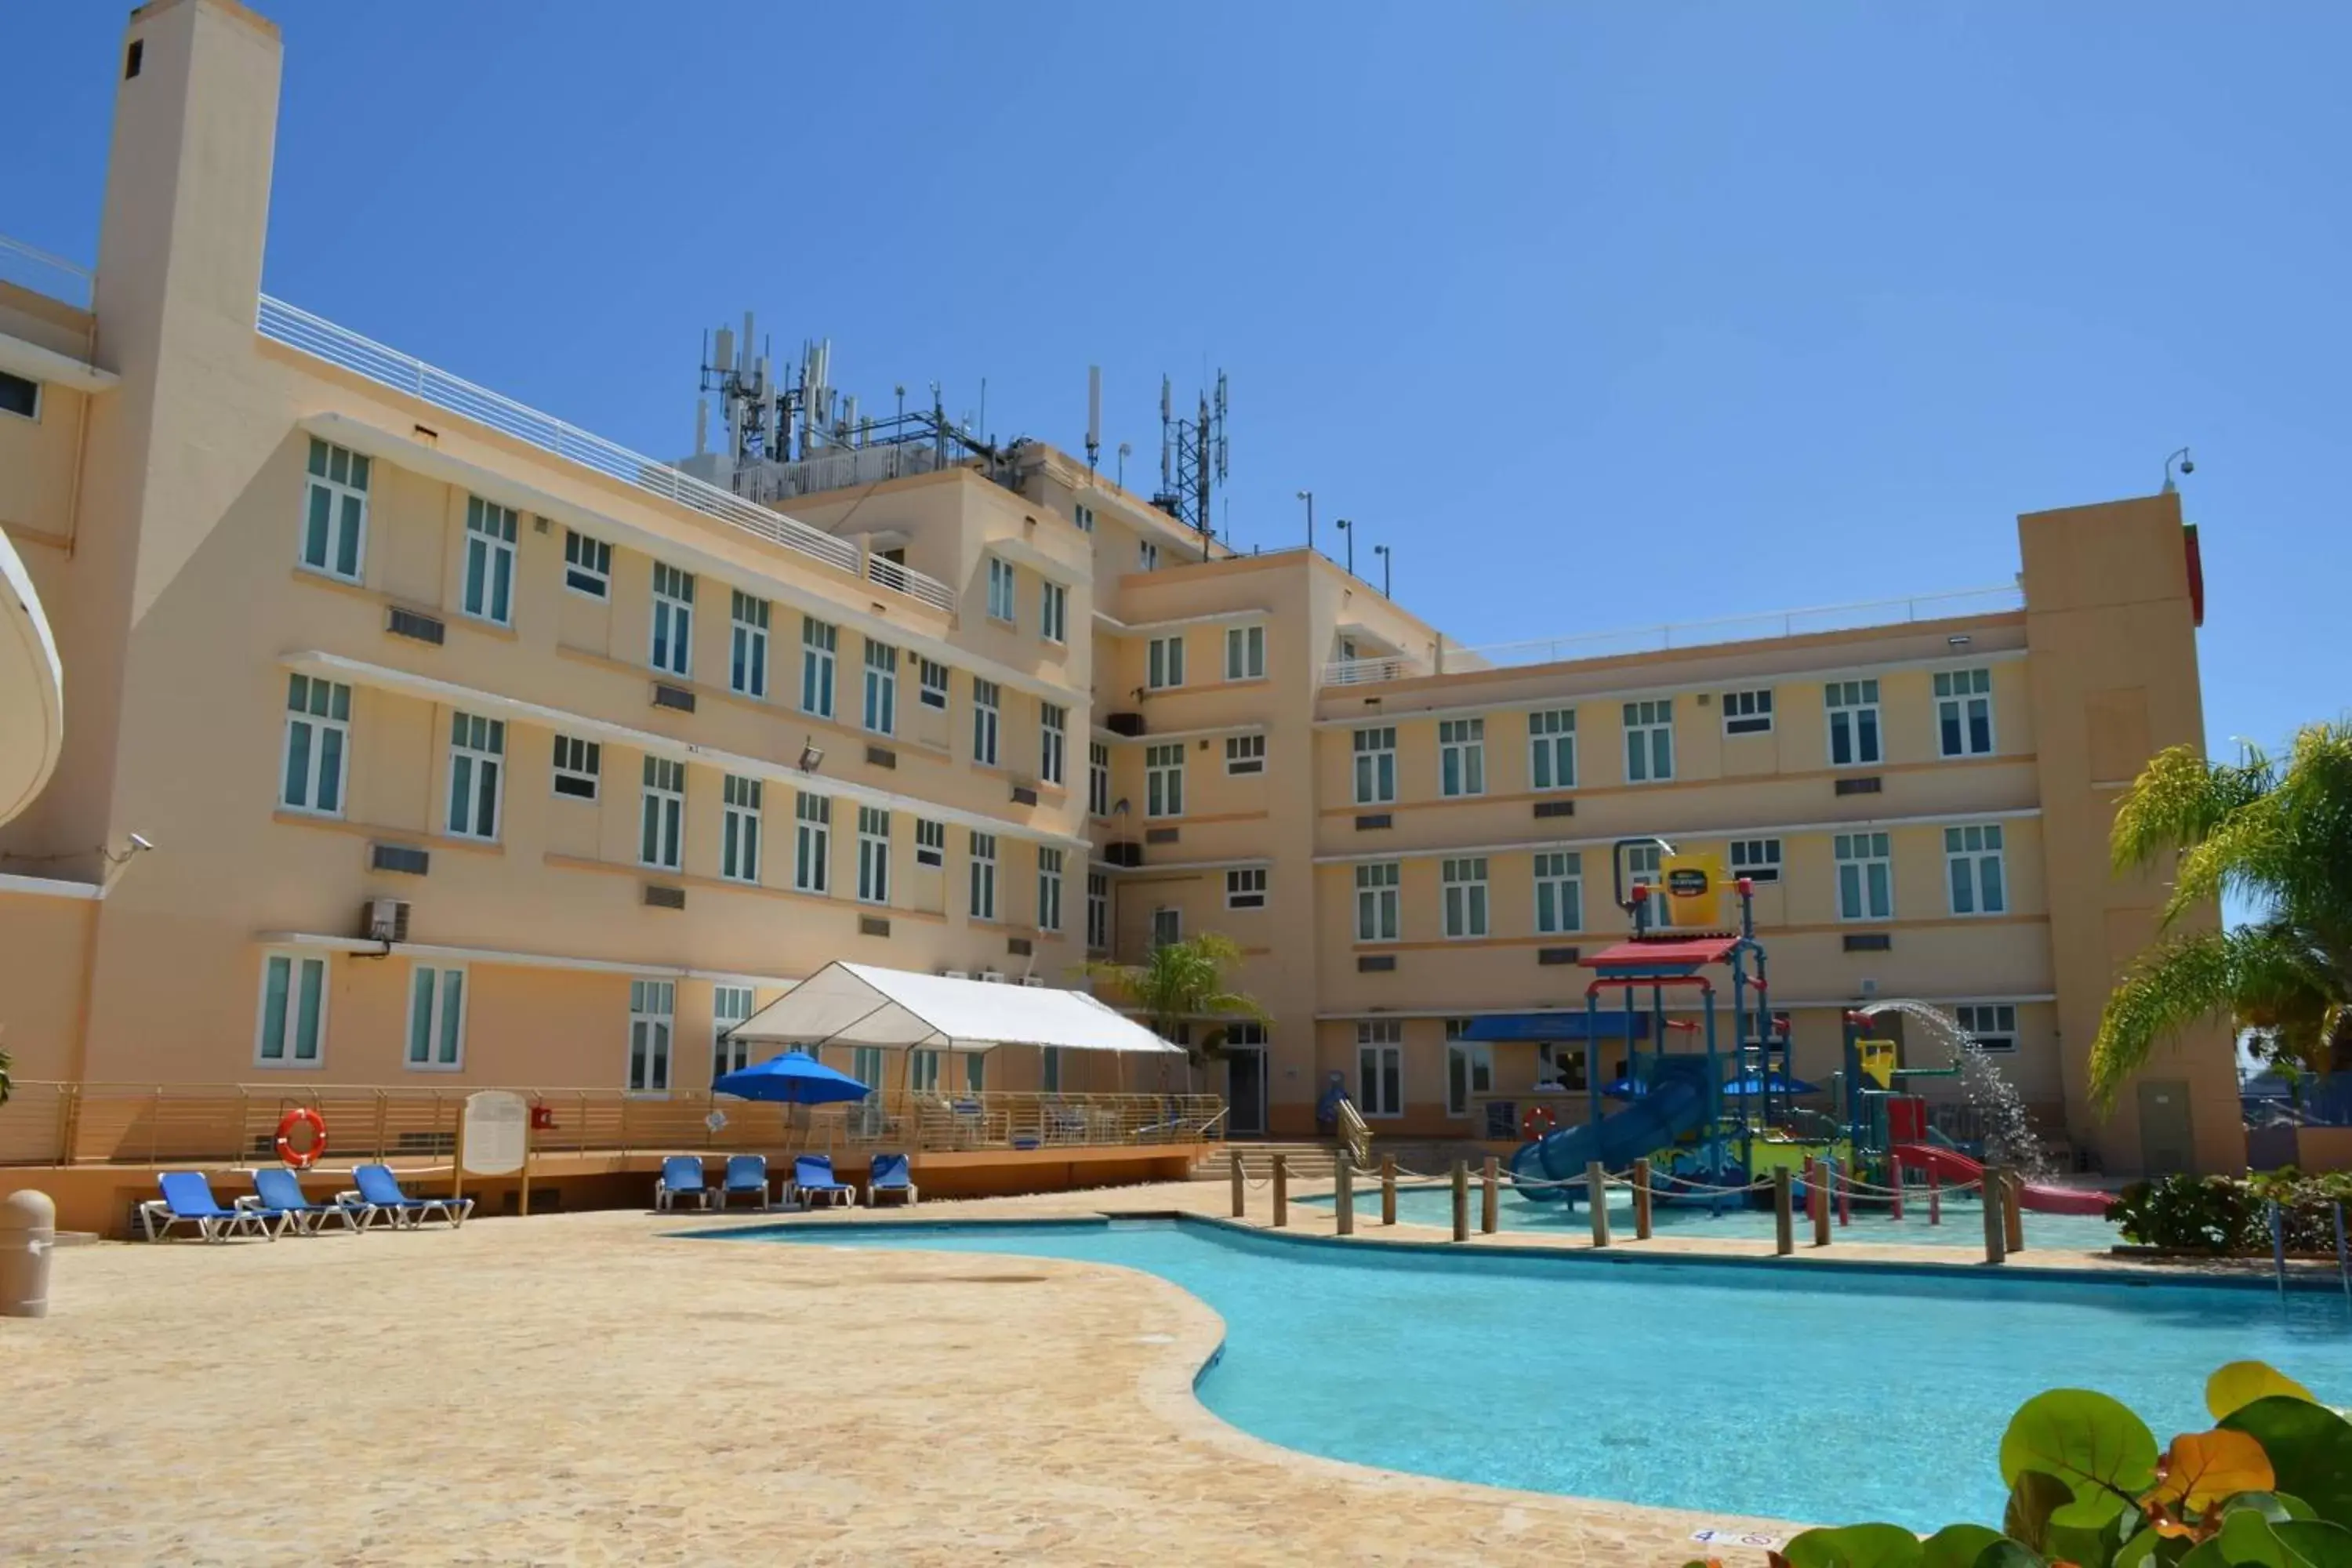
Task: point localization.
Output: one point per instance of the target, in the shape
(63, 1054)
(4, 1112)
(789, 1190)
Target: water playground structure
(1716, 1122)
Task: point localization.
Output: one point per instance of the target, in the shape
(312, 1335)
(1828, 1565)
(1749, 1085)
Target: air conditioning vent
(881, 757)
(873, 925)
(677, 696)
(1860, 787)
(1019, 946)
(1372, 821)
(409, 624)
(954, 974)
(406, 858)
(658, 897)
(1555, 809)
(1559, 955)
(1023, 796)
(1129, 724)
(1125, 852)
(1869, 941)
(1036, 981)
(993, 976)
(384, 920)
(1376, 964)
(1159, 835)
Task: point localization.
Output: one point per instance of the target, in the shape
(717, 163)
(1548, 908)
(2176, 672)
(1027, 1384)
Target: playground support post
(1281, 1191)
(1460, 1200)
(1935, 1197)
(1388, 1189)
(1996, 1234)
(1596, 1190)
(1641, 1200)
(1894, 1185)
(1343, 1192)
(2012, 1211)
(1784, 1219)
(1241, 1182)
(1490, 1199)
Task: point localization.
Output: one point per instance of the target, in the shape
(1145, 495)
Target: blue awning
(1609, 1025)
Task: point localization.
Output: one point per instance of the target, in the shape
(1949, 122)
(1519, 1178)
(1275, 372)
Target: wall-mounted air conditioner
(384, 920)
(954, 974)
(993, 976)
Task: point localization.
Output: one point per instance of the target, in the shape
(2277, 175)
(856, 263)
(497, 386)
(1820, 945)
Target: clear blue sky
(1673, 311)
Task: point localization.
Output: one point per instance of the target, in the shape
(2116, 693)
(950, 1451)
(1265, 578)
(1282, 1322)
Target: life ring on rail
(302, 1115)
(1538, 1121)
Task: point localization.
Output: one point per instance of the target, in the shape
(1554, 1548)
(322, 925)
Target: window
(1551, 749)
(1559, 1066)
(1097, 779)
(984, 721)
(1097, 911)
(873, 855)
(1992, 1024)
(1164, 662)
(334, 512)
(740, 800)
(1865, 877)
(1049, 1057)
(930, 843)
(1167, 927)
(652, 1004)
(975, 1073)
(729, 1006)
(489, 561)
(1244, 653)
(1375, 766)
(1052, 736)
(882, 688)
(587, 564)
(1378, 885)
(1747, 712)
(812, 842)
(673, 620)
(933, 683)
(293, 1023)
(1462, 756)
(1757, 859)
(1964, 712)
(746, 663)
(1379, 1067)
(436, 1018)
(1464, 885)
(1147, 556)
(661, 817)
(1003, 600)
(1164, 780)
(1854, 723)
(1559, 891)
(1054, 613)
(923, 1072)
(1972, 862)
(20, 396)
(1049, 889)
(1246, 888)
(866, 1066)
(1641, 863)
(578, 765)
(1650, 740)
(1084, 516)
(478, 749)
(318, 745)
(983, 876)
(1469, 1068)
(1246, 753)
(817, 641)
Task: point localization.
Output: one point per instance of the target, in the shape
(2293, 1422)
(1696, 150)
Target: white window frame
(1748, 711)
(488, 590)
(1642, 862)
(1097, 779)
(1551, 749)
(1855, 855)
(1245, 653)
(341, 529)
(1464, 892)
(1650, 740)
(298, 964)
(577, 762)
(1167, 926)
(670, 646)
(1757, 859)
(1854, 717)
(1244, 754)
(931, 689)
(812, 843)
(1246, 888)
(661, 813)
(1004, 592)
(881, 705)
(1992, 1025)
(1469, 1069)
(653, 1022)
(1054, 611)
(1374, 749)
(742, 814)
(442, 1053)
(820, 641)
(987, 721)
(923, 1071)
(747, 644)
(1097, 911)
(33, 414)
(1963, 702)
(1380, 901)
(320, 713)
(1163, 663)
(1147, 555)
(1380, 1069)
(587, 564)
(983, 880)
(1164, 780)
(1461, 757)
(930, 843)
(1053, 741)
(1976, 869)
(730, 1056)
(873, 855)
(1049, 889)
(1559, 873)
(1083, 515)
(480, 745)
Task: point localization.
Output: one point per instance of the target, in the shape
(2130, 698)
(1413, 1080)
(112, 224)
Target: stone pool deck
(583, 1389)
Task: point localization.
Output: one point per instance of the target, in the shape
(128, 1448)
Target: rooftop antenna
(1193, 458)
(1094, 416)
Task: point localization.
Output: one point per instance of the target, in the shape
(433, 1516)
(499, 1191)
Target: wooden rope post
(1784, 1218)
(1490, 1198)
(1842, 1178)
(1281, 1190)
(1343, 1192)
(1461, 1201)
(1895, 1180)
(1642, 1200)
(1596, 1191)
(1817, 1198)
(1996, 1234)
(2013, 1209)
(1388, 1189)
(1935, 1197)
(1241, 1182)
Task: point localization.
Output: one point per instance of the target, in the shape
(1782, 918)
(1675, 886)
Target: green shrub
(2231, 1214)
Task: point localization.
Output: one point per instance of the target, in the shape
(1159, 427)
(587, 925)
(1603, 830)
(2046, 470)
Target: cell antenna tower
(747, 397)
(1192, 458)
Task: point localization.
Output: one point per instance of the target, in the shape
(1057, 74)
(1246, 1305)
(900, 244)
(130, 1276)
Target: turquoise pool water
(1799, 1394)
(1963, 1221)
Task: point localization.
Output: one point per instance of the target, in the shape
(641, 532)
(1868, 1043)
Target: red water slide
(1953, 1165)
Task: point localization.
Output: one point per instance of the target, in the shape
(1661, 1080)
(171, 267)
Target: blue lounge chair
(681, 1177)
(277, 1197)
(747, 1177)
(188, 1200)
(813, 1178)
(379, 1197)
(888, 1173)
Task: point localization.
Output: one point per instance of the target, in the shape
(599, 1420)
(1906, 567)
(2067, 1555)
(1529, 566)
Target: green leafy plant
(2269, 1486)
(2231, 1214)
(1181, 982)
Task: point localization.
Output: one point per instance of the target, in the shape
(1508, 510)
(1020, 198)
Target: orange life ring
(1538, 1121)
(302, 1115)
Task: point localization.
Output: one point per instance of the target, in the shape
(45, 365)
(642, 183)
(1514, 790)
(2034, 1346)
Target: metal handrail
(18, 254)
(387, 366)
(1355, 1132)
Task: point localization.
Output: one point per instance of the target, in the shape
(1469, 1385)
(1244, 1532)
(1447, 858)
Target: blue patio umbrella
(1754, 1085)
(795, 1077)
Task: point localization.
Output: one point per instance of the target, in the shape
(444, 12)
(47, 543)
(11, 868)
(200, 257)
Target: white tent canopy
(860, 1004)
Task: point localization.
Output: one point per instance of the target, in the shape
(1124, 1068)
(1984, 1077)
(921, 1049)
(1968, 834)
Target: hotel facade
(476, 751)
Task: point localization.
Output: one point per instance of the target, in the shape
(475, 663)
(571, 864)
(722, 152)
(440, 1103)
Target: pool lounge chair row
(278, 1205)
(682, 1180)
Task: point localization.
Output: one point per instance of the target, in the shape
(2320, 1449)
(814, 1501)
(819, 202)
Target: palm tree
(1182, 981)
(2280, 837)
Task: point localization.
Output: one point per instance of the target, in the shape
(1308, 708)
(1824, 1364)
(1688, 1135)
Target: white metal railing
(29, 267)
(315, 335)
(1362, 671)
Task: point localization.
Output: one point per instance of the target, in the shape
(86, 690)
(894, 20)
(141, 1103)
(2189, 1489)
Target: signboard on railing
(494, 1137)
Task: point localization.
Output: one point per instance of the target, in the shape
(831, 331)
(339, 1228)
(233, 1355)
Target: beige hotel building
(476, 751)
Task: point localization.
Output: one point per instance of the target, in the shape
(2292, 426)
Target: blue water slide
(1675, 1107)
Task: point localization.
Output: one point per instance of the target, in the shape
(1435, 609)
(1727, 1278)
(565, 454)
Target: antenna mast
(1191, 459)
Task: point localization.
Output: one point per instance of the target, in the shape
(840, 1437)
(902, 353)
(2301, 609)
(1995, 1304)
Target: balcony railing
(29, 267)
(317, 336)
(223, 1125)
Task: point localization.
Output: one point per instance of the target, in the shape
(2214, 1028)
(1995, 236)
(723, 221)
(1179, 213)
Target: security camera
(141, 841)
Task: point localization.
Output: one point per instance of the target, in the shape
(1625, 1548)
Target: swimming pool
(1963, 1220)
(1826, 1393)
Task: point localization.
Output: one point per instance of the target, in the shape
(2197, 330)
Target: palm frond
(2248, 975)
(2180, 798)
